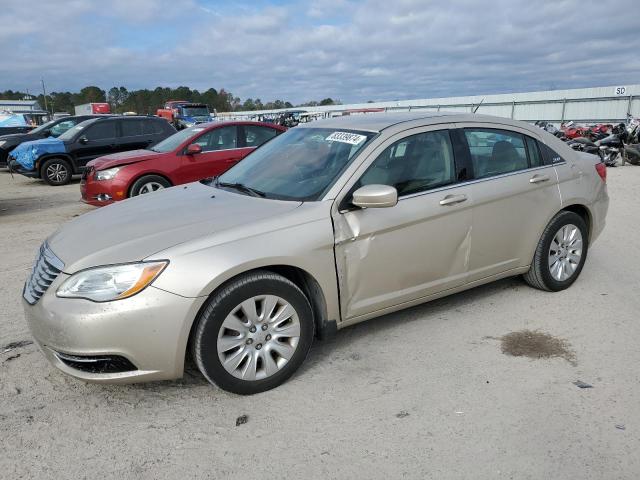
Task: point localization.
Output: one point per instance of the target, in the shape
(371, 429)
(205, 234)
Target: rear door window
(151, 127)
(101, 131)
(496, 152)
(535, 157)
(256, 136)
(131, 128)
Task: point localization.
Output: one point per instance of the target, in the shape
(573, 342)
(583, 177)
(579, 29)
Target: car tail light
(601, 168)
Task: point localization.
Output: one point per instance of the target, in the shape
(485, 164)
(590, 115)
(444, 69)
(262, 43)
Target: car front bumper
(17, 168)
(150, 330)
(101, 193)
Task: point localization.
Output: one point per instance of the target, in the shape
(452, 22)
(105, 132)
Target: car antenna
(478, 106)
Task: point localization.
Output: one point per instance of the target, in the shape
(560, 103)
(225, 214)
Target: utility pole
(44, 94)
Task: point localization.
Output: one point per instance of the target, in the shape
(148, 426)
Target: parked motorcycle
(584, 144)
(612, 149)
(632, 153)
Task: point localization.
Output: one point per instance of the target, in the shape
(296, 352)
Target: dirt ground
(424, 393)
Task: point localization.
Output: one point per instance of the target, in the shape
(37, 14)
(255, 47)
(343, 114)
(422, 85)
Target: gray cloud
(353, 51)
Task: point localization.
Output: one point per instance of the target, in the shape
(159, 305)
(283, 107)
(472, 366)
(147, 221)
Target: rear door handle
(539, 179)
(453, 199)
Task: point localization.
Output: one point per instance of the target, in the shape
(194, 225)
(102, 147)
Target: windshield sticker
(345, 137)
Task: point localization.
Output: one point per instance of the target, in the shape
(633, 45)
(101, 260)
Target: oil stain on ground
(536, 344)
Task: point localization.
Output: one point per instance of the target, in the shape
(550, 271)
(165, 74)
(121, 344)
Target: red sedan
(192, 154)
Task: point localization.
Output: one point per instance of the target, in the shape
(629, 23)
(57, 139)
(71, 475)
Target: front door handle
(539, 179)
(453, 199)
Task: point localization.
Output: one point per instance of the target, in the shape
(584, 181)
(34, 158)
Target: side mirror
(375, 196)
(194, 149)
(83, 140)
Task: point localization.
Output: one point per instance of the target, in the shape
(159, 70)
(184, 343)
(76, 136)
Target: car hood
(123, 158)
(14, 138)
(137, 228)
(27, 153)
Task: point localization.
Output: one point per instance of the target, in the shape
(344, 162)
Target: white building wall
(581, 104)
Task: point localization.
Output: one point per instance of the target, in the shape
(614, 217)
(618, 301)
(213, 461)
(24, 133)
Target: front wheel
(56, 172)
(560, 254)
(148, 184)
(253, 334)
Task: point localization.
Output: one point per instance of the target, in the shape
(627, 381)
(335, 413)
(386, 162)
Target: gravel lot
(424, 393)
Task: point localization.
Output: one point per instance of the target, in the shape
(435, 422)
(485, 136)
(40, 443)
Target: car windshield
(72, 132)
(174, 141)
(195, 112)
(301, 164)
(42, 127)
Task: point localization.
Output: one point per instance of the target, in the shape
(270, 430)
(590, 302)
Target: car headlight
(106, 174)
(113, 282)
(2, 142)
(188, 124)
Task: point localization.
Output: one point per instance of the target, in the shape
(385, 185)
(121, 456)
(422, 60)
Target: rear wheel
(253, 334)
(56, 171)
(561, 253)
(149, 184)
(633, 154)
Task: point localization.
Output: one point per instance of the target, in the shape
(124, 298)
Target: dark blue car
(56, 160)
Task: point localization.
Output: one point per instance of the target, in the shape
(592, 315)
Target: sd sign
(621, 90)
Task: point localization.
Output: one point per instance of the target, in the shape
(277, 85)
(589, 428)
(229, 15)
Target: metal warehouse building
(598, 104)
(20, 106)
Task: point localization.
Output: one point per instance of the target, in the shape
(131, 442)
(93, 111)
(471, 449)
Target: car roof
(373, 122)
(377, 122)
(218, 124)
(95, 119)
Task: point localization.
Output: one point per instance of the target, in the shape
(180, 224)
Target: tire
(633, 154)
(148, 184)
(541, 274)
(214, 344)
(56, 172)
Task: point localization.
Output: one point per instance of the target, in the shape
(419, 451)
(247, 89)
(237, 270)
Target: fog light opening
(103, 197)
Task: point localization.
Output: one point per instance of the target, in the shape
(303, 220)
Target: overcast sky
(298, 50)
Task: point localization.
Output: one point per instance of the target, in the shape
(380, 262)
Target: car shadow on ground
(385, 324)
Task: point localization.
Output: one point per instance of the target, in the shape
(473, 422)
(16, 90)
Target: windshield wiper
(241, 187)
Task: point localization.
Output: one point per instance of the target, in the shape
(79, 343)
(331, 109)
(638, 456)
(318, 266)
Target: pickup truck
(182, 114)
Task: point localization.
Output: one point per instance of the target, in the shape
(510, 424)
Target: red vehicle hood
(123, 158)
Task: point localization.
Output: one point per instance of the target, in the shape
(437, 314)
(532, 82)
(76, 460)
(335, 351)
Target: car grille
(43, 273)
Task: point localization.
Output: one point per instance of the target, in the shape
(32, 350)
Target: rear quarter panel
(580, 184)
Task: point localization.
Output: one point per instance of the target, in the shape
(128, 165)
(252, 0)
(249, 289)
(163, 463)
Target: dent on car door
(515, 194)
(417, 248)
